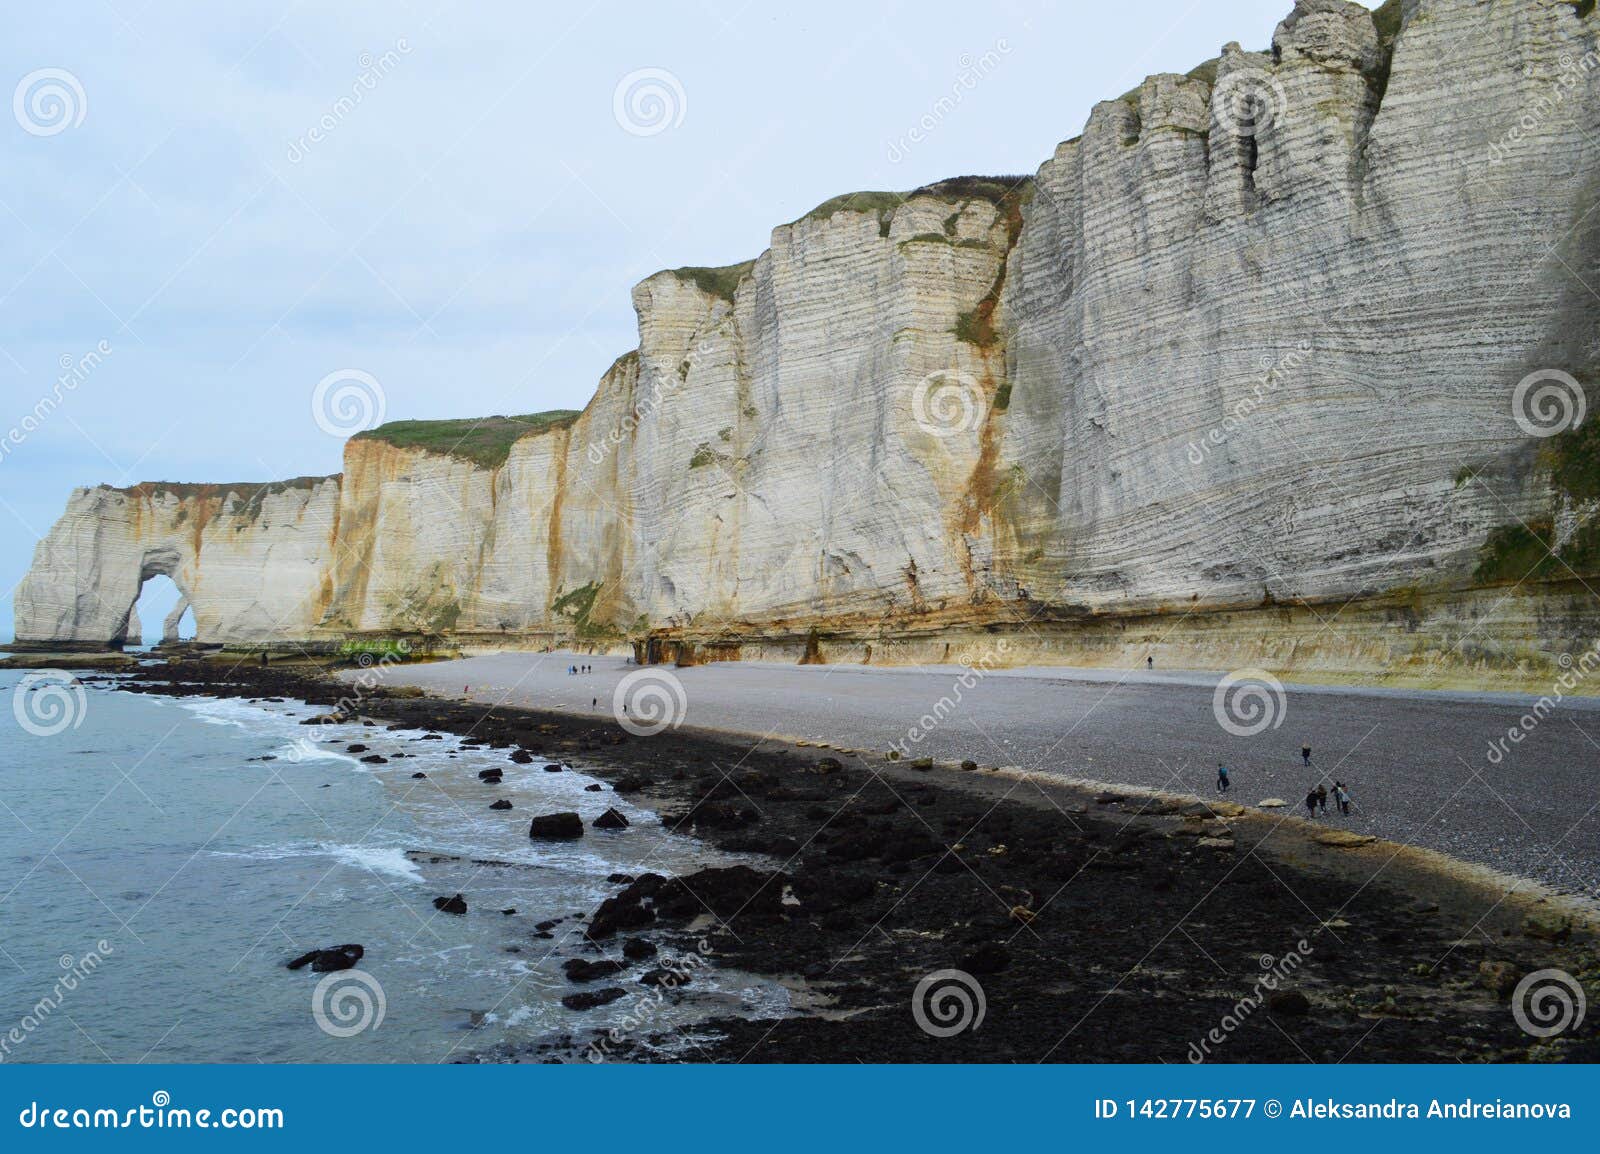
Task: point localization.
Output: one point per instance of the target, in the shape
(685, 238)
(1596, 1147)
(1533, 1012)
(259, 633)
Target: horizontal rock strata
(1253, 339)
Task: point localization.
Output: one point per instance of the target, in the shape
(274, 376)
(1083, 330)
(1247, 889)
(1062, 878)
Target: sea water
(162, 858)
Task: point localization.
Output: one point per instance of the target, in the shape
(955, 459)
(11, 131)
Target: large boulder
(584, 970)
(326, 961)
(723, 891)
(556, 826)
(611, 819)
(589, 999)
(627, 910)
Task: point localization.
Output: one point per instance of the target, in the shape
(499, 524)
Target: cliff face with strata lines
(1252, 339)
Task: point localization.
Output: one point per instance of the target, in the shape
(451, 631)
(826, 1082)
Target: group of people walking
(574, 670)
(1316, 797)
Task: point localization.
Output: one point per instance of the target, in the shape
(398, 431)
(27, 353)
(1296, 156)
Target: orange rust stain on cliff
(979, 500)
(552, 545)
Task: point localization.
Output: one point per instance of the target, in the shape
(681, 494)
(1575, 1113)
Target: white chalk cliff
(1254, 339)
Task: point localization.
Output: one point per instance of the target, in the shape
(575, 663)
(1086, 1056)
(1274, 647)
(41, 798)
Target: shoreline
(1100, 922)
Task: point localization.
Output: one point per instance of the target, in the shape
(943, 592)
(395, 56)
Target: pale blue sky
(468, 232)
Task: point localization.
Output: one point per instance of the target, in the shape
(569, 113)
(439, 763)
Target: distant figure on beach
(1222, 778)
(1311, 803)
(1341, 797)
(1305, 754)
(1322, 797)
(1150, 663)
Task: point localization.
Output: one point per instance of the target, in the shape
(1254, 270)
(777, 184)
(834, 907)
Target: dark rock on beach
(329, 960)
(1288, 1004)
(589, 999)
(501, 804)
(611, 819)
(451, 905)
(665, 976)
(583, 970)
(989, 958)
(876, 875)
(564, 826)
(638, 949)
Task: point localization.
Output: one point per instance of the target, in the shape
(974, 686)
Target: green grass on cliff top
(719, 282)
(484, 441)
(954, 190)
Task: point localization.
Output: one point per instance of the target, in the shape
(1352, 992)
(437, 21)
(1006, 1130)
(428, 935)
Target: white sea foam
(389, 860)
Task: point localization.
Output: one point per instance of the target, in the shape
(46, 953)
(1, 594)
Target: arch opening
(161, 615)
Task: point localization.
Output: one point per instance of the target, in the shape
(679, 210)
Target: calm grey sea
(156, 874)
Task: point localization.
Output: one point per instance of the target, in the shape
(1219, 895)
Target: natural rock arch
(158, 562)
